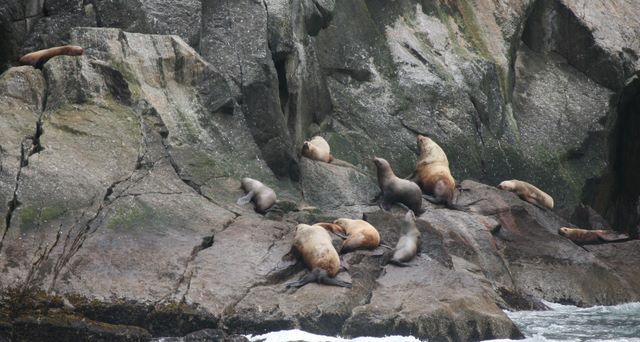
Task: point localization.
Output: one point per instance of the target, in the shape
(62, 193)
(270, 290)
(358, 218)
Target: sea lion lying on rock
(38, 58)
(314, 244)
(397, 190)
(591, 237)
(317, 149)
(359, 234)
(528, 192)
(262, 196)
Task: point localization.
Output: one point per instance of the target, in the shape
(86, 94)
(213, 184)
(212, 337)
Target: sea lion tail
(246, 198)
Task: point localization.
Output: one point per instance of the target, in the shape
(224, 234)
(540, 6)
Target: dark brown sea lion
(397, 190)
(528, 192)
(591, 237)
(262, 196)
(38, 58)
(314, 244)
(359, 234)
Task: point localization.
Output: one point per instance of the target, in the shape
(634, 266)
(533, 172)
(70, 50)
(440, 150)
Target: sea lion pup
(359, 234)
(528, 192)
(408, 244)
(263, 196)
(38, 58)
(317, 149)
(395, 189)
(314, 244)
(587, 237)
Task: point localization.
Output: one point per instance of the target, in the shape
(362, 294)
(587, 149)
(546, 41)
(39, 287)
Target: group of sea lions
(431, 180)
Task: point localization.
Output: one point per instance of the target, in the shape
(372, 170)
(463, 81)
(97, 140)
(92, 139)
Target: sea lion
(433, 175)
(395, 189)
(590, 237)
(408, 244)
(528, 192)
(263, 196)
(359, 234)
(38, 58)
(317, 149)
(314, 244)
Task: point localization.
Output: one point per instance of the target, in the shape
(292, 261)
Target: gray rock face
(119, 169)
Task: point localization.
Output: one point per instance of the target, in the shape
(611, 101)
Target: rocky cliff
(119, 169)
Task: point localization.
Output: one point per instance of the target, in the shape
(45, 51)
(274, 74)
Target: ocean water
(620, 323)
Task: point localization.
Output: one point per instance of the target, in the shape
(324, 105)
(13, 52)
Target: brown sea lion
(314, 244)
(397, 190)
(359, 234)
(433, 175)
(262, 196)
(317, 149)
(590, 237)
(38, 58)
(528, 192)
(409, 242)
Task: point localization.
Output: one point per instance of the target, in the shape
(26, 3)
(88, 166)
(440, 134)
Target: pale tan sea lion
(263, 196)
(359, 234)
(314, 244)
(528, 192)
(317, 149)
(38, 58)
(586, 237)
(397, 190)
(409, 242)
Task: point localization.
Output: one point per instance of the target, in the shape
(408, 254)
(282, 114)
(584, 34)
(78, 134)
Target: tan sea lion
(409, 242)
(359, 234)
(590, 237)
(433, 175)
(38, 58)
(317, 149)
(263, 196)
(528, 192)
(397, 190)
(314, 244)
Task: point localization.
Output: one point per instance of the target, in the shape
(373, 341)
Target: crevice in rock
(283, 89)
(14, 203)
(360, 75)
(415, 54)
(616, 196)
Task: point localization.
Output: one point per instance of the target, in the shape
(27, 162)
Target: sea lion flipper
(246, 198)
(431, 199)
(612, 236)
(336, 282)
(309, 277)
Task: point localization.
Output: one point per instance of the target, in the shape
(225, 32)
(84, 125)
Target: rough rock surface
(119, 169)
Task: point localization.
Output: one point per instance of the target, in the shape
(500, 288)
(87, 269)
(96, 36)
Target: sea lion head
(422, 142)
(244, 183)
(74, 50)
(409, 216)
(381, 163)
(564, 231)
(506, 185)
